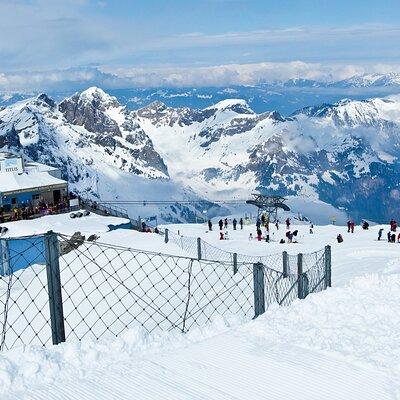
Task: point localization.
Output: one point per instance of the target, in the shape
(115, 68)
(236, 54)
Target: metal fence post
(328, 266)
(235, 266)
(166, 238)
(5, 258)
(301, 278)
(259, 293)
(198, 248)
(285, 260)
(54, 287)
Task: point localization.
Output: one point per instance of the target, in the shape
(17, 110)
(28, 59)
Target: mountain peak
(44, 98)
(238, 106)
(97, 97)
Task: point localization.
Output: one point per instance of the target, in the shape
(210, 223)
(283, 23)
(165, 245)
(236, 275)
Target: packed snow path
(224, 367)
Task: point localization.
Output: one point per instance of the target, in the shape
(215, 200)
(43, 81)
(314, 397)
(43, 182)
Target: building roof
(6, 155)
(35, 166)
(14, 182)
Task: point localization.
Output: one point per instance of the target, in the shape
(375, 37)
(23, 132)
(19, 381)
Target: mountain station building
(24, 184)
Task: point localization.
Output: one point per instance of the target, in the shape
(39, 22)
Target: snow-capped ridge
(238, 106)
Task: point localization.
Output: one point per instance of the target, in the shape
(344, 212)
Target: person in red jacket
(352, 226)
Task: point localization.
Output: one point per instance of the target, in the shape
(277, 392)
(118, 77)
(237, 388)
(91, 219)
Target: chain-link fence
(200, 249)
(55, 288)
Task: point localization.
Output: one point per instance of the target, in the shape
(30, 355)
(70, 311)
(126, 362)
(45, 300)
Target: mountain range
(345, 154)
(283, 96)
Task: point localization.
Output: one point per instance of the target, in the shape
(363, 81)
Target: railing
(104, 209)
(55, 288)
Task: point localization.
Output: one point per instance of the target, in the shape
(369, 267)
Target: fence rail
(53, 288)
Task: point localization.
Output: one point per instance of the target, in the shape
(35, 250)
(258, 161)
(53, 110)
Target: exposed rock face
(346, 154)
(88, 109)
(85, 133)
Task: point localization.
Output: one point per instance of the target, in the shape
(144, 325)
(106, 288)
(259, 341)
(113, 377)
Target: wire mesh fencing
(200, 249)
(55, 288)
(24, 299)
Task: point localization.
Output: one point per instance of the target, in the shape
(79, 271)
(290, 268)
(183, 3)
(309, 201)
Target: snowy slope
(345, 154)
(338, 344)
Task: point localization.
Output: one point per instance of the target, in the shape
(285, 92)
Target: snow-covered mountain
(345, 154)
(285, 96)
(99, 146)
(370, 80)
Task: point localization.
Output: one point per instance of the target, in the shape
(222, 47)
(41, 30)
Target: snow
(62, 223)
(12, 181)
(339, 344)
(326, 176)
(224, 104)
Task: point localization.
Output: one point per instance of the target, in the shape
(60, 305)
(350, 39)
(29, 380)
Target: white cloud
(245, 74)
(219, 75)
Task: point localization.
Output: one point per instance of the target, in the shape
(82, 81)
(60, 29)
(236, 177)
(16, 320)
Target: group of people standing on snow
(264, 223)
(391, 235)
(223, 224)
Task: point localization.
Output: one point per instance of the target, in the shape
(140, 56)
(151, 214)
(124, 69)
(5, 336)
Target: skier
(258, 224)
(339, 238)
(226, 236)
(241, 223)
(209, 225)
(294, 235)
(393, 238)
(348, 226)
(352, 226)
(389, 237)
(226, 223)
(289, 236)
(221, 236)
(287, 223)
(221, 224)
(380, 234)
(263, 219)
(277, 224)
(259, 234)
(234, 222)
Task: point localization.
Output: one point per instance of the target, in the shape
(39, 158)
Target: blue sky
(183, 42)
